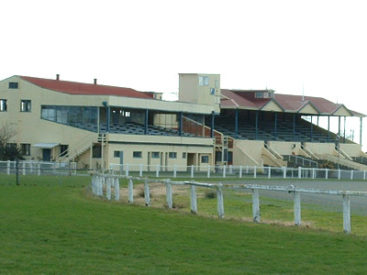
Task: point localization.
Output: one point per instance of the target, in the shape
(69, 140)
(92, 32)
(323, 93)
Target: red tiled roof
(76, 88)
(290, 103)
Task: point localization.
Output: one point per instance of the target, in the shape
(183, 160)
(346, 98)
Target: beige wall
(321, 148)
(248, 152)
(285, 147)
(353, 150)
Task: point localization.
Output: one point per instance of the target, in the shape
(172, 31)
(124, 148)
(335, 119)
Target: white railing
(102, 185)
(231, 171)
(30, 167)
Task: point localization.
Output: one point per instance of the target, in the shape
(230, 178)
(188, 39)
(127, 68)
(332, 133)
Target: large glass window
(3, 105)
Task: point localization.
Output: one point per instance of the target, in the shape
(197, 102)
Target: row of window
(25, 105)
(156, 155)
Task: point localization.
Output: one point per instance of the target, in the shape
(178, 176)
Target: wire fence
(231, 171)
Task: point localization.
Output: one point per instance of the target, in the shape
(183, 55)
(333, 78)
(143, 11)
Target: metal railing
(38, 168)
(104, 185)
(231, 171)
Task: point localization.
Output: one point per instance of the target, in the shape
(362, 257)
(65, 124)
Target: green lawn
(53, 225)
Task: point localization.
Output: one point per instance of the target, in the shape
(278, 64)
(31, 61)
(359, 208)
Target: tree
(8, 151)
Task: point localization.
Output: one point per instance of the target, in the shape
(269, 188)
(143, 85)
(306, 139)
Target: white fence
(103, 185)
(232, 171)
(38, 168)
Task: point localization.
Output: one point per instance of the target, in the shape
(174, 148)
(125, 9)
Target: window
(97, 151)
(172, 155)
(204, 159)
(25, 105)
(137, 154)
(203, 80)
(26, 149)
(183, 155)
(155, 155)
(212, 91)
(13, 85)
(3, 105)
(64, 150)
(12, 146)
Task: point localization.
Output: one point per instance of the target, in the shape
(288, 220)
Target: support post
(108, 188)
(297, 208)
(169, 194)
(236, 121)
(108, 110)
(131, 191)
(275, 125)
(294, 126)
(146, 122)
(346, 214)
(256, 124)
(117, 189)
(180, 123)
(212, 125)
(193, 199)
(360, 130)
(255, 205)
(220, 204)
(345, 120)
(146, 193)
(328, 128)
(311, 128)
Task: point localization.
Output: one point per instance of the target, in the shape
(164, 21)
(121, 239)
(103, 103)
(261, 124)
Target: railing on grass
(232, 171)
(29, 167)
(101, 182)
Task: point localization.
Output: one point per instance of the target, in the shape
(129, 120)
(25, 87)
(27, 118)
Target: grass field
(53, 225)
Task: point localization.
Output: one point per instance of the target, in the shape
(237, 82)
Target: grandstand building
(97, 125)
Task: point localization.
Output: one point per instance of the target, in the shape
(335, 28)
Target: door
(46, 154)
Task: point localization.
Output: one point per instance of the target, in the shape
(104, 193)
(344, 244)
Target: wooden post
(230, 169)
(255, 172)
(140, 170)
(269, 172)
(326, 173)
(8, 167)
(346, 214)
(131, 191)
(193, 199)
(192, 171)
(23, 166)
(224, 171)
(240, 173)
(108, 188)
(364, 174)
(38, 169)
(102, 179)
(297, 208)
(339, 174)
(284, 172)
(169, 194)
(313, 173)
(351, 174)
(127, 170)
(255, 205)
(208, 172)
(175, 171)
(220, 204)
(146, 193)
(117, 189)
(299, 172)
(157, 170)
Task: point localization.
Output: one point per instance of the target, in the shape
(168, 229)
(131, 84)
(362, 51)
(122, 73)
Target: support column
(180, 123)
(360, 130)
(328, 128)
(108, 110)
(275, 125)
(294, 126)
(311, 129)
(236, 121)
(146, 122)
(256, 124)
(212, 125)
(339, 127)
(345, 120)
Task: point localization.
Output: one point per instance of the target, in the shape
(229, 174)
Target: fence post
(220, 204)
(146, 193)
(194, 206)
(117, 189)
(175, 171)
(326, 173)
(284, 172)
(255, 172)
(38, 169)
(364, 174)
(240, 174)
(192, 171)
(131, 191)
(230, 169)
(224, 171)
(108, 188)
(351, 174)
(299, 172)
(169, 194)
(8, 167)
(339, 174)
(157, 170)
(208, 172)
(313, 173)
(102, 179)
(269, 172)
(24, 167)
(297, 208)
(255, 205)
(346, 214)
(127, 170)
(140, 170)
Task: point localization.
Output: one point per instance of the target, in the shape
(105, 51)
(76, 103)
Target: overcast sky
(283, 45)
